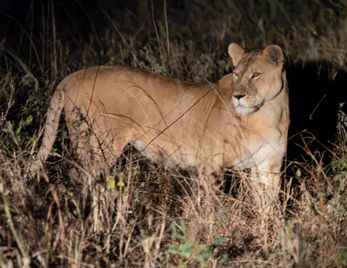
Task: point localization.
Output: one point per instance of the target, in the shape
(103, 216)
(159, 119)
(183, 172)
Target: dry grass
(146, 216)
(139, 214)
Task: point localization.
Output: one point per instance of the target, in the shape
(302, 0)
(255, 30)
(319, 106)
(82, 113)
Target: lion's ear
(235, 52)
(274, 54)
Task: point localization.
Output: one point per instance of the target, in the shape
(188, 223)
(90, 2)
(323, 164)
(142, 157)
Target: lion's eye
(256, 76)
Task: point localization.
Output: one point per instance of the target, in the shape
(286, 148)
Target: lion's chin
(243, 110)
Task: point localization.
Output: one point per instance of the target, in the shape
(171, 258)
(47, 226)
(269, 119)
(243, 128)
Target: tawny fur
(240, 122)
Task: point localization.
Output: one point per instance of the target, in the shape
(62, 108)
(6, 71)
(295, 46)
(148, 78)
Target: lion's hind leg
(96, 145)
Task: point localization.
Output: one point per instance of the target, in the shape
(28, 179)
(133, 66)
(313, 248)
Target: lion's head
(257, 77)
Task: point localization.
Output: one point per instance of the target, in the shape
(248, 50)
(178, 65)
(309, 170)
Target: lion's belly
(171, 154)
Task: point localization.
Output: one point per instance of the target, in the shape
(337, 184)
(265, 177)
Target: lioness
(240, 122)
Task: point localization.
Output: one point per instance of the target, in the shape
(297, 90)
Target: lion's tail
(51, 126)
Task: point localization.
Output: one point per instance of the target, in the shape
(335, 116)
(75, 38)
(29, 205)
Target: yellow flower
(120, 183)
(111, 183)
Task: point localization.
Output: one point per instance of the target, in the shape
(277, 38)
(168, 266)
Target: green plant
(188, 251)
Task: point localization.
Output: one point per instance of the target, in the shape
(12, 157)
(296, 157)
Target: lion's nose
(239, 96)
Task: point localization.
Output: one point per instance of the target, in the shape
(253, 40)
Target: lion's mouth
(244, 110)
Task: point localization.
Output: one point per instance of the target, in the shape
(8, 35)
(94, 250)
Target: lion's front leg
(265, 183)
